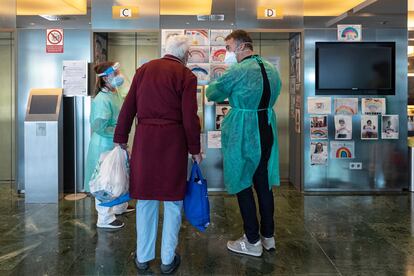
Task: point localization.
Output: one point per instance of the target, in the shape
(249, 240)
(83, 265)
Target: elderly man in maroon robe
(163, 99)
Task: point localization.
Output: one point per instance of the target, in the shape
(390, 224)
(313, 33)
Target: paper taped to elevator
(75, 78)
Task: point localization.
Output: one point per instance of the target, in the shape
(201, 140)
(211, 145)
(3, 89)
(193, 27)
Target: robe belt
(159, 122)
(269, 112)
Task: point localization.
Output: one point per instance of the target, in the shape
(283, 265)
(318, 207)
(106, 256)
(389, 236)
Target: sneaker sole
(110, 226)
(126, 212)
(270, 248)
(245, 253)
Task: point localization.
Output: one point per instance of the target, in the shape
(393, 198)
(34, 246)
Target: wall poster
(373, 106)
(346, 106)
(319, 153)
(369, 127)
(319, 105)
(319, 127)
(343, 127)
(342, 150)
(390, 127)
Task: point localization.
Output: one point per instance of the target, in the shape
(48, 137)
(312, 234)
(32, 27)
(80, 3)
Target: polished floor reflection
(316, 235)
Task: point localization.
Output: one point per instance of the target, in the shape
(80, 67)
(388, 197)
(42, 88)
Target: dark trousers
(245, 198)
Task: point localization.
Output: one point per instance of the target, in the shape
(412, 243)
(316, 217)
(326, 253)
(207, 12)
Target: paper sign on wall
(74, 78)
(54, 41)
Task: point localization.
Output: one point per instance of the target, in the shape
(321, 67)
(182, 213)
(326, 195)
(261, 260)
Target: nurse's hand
(197, 158)
(123, 146)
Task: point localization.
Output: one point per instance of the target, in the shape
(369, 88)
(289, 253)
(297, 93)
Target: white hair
(177, 45)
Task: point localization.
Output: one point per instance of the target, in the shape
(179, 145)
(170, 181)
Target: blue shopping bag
(196, 204)
(119, 200)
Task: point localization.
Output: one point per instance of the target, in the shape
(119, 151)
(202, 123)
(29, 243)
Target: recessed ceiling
(185, 7)
(328, 7)
(51, 7)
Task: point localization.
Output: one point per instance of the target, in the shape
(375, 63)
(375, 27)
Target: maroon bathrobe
(163, 98)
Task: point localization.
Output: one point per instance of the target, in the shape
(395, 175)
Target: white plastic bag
(110, 179)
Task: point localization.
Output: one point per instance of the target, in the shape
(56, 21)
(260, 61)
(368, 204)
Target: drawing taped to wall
(373, 106)
(346, 106)
(342, 150)
(369, 127)
(217, 54)
(390, 127)
(319, 127)
(198, 37)
(343, 127)
(319, 105)
(217, 37)
(198, 54)
(319, 153)
(202, 71)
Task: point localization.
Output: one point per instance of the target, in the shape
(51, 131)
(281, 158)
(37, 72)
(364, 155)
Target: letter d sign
(270, 13)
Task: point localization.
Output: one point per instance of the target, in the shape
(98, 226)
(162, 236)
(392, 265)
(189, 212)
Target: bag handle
(196, 171)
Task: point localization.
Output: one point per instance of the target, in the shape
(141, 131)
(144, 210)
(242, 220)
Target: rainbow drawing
(198, 37)
(345, 110)
(202, 73)
(343, 152)
(217, 37)
(218, 54)
(350, 33)
(217, 71)
(319, 134)
(198, 55)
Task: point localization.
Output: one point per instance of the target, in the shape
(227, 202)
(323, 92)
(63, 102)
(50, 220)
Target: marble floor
(316, 235)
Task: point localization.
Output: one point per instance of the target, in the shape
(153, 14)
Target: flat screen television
(355, 68)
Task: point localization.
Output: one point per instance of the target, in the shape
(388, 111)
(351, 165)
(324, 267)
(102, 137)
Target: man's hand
(197, 158)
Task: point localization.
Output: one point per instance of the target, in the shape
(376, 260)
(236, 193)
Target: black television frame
(350, 91)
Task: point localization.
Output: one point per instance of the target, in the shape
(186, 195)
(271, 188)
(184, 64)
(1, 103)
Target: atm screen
(43, 104)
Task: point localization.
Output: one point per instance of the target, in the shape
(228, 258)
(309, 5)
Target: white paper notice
(214, 140)
(74, 78)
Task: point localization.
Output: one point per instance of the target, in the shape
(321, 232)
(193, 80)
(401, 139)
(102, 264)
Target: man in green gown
(249, 139)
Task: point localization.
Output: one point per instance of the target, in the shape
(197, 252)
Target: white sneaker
(116, 224)
(243, 246)
(269, 243)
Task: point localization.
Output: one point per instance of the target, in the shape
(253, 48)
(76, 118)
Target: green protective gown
(104, 115)
(242, 84)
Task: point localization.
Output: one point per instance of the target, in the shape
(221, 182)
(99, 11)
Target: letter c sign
(125, 13)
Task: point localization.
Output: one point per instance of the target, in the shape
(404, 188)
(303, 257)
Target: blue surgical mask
(116, 81)
(230, 58)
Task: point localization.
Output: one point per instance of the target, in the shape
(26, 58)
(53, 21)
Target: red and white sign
(54, 41)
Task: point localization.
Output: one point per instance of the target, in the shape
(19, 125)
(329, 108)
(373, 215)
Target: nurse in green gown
(249, 139)
(103, 118)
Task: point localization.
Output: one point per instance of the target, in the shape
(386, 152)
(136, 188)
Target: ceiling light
(50, 17)
(185, 7)
(55, 7)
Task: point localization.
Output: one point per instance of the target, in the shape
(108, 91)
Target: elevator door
(6, 108)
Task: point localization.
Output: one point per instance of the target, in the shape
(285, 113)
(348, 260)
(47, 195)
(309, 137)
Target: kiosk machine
(43, 147)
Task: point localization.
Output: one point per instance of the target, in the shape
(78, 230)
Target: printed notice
(74, 78)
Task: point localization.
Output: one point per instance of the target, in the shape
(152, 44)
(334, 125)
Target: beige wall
(280, 48)
(6, 108)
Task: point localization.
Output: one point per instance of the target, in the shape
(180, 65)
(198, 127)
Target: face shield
(116, 80)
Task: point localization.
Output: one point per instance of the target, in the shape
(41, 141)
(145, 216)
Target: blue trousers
(147, 226)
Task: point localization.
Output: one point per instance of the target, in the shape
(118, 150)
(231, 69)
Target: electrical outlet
(355, 166)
